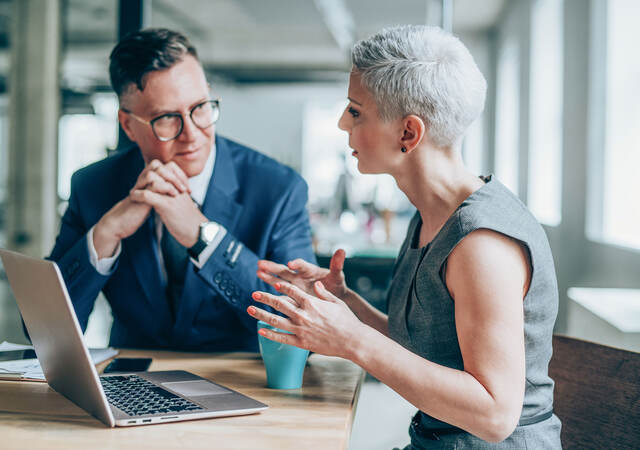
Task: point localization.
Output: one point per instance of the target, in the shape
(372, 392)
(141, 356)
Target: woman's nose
(343, 122)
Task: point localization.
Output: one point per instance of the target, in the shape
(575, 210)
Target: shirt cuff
(209, 249)
(103, 265)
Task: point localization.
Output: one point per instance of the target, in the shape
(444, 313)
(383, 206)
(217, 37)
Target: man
(171, 230)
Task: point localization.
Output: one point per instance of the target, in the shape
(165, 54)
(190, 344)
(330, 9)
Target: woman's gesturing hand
(302, 274)
(322, 323)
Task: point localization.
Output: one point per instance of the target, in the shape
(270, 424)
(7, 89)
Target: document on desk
(30, 370)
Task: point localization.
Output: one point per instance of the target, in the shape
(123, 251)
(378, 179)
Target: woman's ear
(413, 131)
(125, 123)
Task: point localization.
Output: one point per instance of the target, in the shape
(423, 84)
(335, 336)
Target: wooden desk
(317, 416)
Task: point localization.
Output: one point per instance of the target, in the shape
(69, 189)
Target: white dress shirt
(199, 184)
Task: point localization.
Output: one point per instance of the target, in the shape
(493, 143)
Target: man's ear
(125, 123)
(413, 131)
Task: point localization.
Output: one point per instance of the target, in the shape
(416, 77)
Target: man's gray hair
(424, 71)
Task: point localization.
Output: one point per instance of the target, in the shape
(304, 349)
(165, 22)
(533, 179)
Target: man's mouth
(188, 153)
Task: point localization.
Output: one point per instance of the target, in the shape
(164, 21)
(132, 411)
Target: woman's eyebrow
(356, 102)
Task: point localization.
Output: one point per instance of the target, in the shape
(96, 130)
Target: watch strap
(195, 250)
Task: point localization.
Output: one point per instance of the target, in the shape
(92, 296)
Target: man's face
(174, 90)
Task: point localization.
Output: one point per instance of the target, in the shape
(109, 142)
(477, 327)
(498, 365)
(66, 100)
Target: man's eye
(354, 112)
(164, 120)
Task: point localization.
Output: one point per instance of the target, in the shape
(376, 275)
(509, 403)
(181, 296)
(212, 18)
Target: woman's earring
(403, 150)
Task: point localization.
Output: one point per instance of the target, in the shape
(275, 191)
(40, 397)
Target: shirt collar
(199, 184)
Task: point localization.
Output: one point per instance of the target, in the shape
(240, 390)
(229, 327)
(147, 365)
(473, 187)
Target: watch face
(209, 231)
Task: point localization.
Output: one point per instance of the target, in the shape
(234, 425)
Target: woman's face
(374, 142)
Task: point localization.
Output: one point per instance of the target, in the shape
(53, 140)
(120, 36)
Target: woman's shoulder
(495, 207)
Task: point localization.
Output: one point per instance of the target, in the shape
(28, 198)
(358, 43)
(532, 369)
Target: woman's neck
(436, 182)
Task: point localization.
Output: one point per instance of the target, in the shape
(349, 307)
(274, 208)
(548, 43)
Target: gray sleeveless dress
(421, 315)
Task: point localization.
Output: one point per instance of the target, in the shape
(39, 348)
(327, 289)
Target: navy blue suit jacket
(260, 202)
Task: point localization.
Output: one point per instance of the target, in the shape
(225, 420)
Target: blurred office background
(561, 128)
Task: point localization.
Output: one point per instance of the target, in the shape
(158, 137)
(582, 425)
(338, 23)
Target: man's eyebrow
(356, 102)
(162, 112)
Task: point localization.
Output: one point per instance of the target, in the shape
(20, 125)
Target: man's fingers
(170, 176)
(179, 173)
(337, 261)
(154, 164)
(162, 187)
(169, 172)
(146, 196)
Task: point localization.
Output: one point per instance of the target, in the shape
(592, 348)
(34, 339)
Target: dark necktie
(175, 262)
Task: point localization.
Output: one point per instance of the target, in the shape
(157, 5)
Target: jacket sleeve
(71, 253)
(231, 269)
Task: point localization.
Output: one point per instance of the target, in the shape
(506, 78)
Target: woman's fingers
(323, 293)
(283, 304)
(279, 270)
(268, 278)
(294, 292)
(284, 338)
(272, 319)
(306, 269)
(337, 261)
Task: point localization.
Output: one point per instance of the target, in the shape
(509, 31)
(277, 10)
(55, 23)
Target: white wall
(269, 117)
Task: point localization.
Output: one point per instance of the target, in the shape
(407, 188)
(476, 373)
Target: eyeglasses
(169, 126)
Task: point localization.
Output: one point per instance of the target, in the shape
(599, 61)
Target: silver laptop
(122, 399)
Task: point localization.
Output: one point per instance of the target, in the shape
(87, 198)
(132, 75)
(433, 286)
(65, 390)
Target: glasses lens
(205, 114)
(168, 126)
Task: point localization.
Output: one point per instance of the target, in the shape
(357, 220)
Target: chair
(597, 394)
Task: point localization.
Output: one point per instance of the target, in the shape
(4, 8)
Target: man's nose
(189, 130)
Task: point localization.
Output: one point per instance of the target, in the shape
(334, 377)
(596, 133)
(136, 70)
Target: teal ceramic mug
(284, 363)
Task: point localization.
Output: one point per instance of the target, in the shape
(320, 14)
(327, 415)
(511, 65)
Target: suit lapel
(219, 203)
(219, 206)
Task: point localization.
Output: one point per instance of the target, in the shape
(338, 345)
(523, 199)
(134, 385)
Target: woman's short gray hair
(424, 71)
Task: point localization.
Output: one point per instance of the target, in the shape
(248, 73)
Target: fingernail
(262, 331)
(319, 285)
(256, 295)
(277, 286)
(251, 310)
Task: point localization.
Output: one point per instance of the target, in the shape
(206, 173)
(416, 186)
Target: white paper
(9, 346)
(30, 368)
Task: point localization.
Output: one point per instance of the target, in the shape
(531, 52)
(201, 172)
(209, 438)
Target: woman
(473, 298)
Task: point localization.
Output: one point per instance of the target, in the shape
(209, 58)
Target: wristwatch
(208, 232)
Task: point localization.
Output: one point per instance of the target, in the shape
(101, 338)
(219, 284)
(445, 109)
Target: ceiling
(252, 40)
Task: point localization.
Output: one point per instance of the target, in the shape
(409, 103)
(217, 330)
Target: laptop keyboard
(137, 396)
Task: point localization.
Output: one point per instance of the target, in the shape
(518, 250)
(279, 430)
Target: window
(4, 165)
(367, 215)
(85, 138)
(472, 147)
(507, 114)
(545, 102)
(621, 207)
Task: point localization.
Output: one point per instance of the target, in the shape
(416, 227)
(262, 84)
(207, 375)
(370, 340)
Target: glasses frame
(216, 102)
